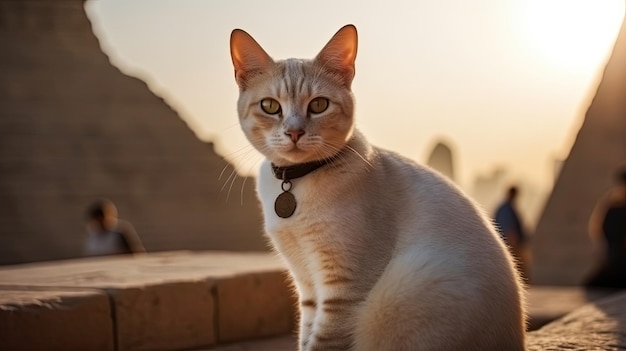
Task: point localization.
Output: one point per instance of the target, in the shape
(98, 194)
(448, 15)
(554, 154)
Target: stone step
(166, 301)
(280, 343)
(546, 304)
(175, 301)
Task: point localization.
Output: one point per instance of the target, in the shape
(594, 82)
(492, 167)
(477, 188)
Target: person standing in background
(509, 225)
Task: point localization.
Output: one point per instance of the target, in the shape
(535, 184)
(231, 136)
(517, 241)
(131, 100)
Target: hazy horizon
(505, 82)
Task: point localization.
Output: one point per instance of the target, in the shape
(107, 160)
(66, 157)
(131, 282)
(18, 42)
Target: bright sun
(570, 33)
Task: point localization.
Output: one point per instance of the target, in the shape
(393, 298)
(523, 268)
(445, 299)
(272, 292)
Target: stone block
(548, 303)
(55, 320)
(167, 316)
(169, 301)
(596, 326)
(254, 305)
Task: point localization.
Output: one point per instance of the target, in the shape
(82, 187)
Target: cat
(385, 254)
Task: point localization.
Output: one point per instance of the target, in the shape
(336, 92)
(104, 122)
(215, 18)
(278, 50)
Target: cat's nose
(295, 134)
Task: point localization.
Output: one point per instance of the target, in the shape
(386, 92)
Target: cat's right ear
(248, 57)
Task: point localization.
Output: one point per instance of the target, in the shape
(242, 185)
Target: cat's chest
(312, 203)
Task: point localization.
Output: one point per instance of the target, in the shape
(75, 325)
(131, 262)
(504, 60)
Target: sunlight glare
(571, 33)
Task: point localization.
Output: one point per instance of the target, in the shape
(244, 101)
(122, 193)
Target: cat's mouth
(294, 147)
(303, 150)
(296, 154)
(297, 151)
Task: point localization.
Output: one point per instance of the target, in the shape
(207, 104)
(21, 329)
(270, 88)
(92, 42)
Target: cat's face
(296, 111)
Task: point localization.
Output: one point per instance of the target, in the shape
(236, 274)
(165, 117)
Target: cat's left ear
(340, 52)
(248, 57)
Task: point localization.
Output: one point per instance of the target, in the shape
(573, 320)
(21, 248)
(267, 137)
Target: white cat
(385, 254)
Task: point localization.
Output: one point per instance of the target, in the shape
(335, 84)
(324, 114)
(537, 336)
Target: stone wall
(73, 128)
(563, 253)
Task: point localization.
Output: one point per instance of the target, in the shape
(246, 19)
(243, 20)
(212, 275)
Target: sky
(505, 82)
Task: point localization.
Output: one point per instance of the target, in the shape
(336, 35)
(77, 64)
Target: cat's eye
(270, 106)
(318, 105)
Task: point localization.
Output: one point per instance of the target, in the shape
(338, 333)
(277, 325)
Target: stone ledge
(166, 316)
(599, 325)
(262, 295)
(162, 301)
(184, 300)
(549, 303)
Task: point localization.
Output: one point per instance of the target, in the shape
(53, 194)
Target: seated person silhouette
(107, 234)
(608, 226)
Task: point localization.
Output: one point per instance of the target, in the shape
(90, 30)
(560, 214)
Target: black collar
(299, 170)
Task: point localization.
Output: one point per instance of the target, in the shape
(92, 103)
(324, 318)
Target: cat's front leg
(307, 316)
(306, 305)
(332, 327)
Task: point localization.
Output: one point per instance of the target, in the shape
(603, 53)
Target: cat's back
(435, 221)
(426, 193)
(452, 254)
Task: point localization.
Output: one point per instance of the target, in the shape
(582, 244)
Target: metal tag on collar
(285, 204)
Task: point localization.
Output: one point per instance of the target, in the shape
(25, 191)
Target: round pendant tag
(285, 205)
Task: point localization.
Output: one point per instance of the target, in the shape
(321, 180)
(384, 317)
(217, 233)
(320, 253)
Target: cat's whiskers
(228, 180)
(337, 152)
(350, 148)
(339, 159)
(243, 184)
(344, 161)
(235, 156)
(232, 126)
(248, 153)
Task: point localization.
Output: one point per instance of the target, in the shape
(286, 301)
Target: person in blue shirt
(510, 227)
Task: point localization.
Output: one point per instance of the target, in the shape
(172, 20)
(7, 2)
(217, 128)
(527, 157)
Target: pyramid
(563, 253)
(73, 128)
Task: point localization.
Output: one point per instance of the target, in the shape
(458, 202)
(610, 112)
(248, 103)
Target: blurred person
(607, 226)
(107, 234)
(509, 224)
